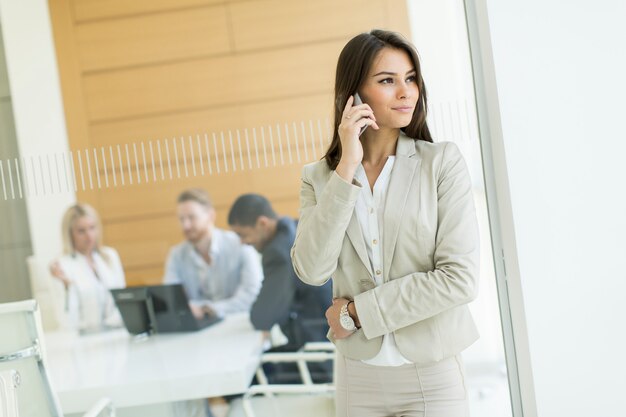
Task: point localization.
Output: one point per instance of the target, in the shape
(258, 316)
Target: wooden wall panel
(396, 12)
(146, 228)
(131, 202)
(142, 72)
(143, 275)
(245, 78)
(145, 243)
(153, 38)
(143, 254)
(227, 117)
(272, 23)
(70, 74)
(85, 10)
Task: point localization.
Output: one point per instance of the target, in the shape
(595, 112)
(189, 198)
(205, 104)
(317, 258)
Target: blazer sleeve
(322, 226)
(453, 281)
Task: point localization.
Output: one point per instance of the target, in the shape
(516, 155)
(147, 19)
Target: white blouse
(89, 303)
(370, 207)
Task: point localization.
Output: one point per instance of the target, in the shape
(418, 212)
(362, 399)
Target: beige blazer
(430, 252)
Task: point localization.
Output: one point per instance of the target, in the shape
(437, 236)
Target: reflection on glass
(133, 181)
(162, 159)
(440, 33)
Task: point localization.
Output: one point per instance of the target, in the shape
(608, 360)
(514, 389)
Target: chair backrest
(9, 381)
(278, 400)
(49, 294)
(22, 351)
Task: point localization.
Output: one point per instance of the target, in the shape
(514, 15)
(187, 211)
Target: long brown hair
(353, 66)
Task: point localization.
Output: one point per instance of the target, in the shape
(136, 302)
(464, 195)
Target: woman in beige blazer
(389, 216)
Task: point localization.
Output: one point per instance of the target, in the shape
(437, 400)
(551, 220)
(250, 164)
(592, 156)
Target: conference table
(146, 374)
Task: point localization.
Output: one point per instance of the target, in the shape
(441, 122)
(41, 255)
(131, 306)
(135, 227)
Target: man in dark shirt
(284, 300)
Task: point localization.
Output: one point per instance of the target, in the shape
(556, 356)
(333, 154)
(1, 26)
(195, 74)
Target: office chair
(49, 293)
(25, 389)
(278, 400)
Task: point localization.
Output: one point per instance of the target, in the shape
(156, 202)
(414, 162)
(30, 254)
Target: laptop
(158, 309)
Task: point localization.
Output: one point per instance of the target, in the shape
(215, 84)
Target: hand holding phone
(355, 116)
(357, 101)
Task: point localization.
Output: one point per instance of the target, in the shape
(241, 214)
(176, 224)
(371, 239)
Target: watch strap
(348, 310)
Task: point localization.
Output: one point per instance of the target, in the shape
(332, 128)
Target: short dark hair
(248, 208)
(197, 195)
(354, 64)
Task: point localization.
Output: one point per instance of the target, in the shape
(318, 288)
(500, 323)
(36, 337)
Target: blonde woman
(88, 270)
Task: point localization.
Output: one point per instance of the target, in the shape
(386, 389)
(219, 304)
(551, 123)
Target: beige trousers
(433, 390)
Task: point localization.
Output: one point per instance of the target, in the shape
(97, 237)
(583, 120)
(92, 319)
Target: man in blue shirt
(219, 273)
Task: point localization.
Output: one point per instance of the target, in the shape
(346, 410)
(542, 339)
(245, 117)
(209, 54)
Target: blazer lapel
(400, 185)
(355, 234)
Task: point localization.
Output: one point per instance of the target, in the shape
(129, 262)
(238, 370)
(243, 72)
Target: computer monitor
(158, 309)
(136, 308)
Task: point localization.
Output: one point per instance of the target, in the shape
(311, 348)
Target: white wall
(559, 68)
(37, 108)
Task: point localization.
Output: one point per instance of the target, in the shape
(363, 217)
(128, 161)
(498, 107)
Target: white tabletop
(216, 361)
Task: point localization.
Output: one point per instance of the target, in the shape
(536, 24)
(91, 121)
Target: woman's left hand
(332, 316)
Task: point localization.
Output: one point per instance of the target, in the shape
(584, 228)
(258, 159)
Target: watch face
(347, 322)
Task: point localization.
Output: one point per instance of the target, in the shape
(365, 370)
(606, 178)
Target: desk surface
(216, 361)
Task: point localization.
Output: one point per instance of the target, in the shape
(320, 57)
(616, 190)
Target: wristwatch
(345, 320)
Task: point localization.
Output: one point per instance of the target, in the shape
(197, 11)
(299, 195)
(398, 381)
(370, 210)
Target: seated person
(285, 300)
(220, 274)
(88, 270)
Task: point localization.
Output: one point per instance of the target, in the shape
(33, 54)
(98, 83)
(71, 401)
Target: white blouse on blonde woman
(89, 303)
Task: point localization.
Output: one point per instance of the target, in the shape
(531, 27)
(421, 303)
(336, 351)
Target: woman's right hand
(57, 272)
(353, 119)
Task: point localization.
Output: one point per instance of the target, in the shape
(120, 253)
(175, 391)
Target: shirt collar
(215, 242)
(362, 177)
(214, 249)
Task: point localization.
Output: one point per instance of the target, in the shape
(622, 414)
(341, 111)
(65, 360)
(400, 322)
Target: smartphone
(357, 101)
